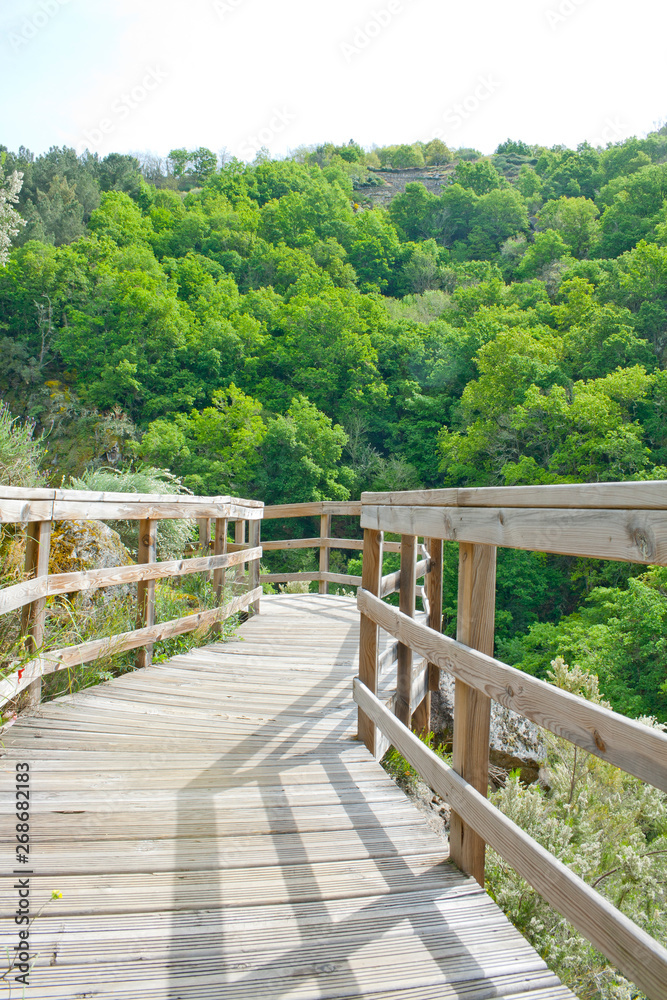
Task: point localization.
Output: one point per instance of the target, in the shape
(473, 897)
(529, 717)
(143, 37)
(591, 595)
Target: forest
(346, 319)
(303, 329)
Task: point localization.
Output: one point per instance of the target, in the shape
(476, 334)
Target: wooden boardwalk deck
(217, 834)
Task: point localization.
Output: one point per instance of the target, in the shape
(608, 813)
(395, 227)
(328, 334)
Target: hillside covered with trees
(268, 330)
(343, 320)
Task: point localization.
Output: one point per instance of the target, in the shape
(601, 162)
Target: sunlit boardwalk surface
(217, 833)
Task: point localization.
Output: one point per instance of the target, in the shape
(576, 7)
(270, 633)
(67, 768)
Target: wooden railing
(38, 509)
(623, 521)
(324, 510)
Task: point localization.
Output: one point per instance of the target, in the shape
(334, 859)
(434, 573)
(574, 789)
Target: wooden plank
(626, 535)
(432, 601)
(632, 950)
(240, 540)
(350, 508)
(627, 744)
(288, 577)
(48, 493)
(472, 708)
(146, 589)
(403, 707)
(132, 510)
(434, 587)
(392, 581)
(73, 656)
(355, 544)
(343, 578)
(204, 525)
(368, 634)
(325, 531)
(25, 511)
(66, 583)
(620, 496)
(37, 550)
(220, 552)
(254, 528)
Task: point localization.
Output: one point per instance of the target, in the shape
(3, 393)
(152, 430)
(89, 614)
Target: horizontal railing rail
(38, 509)
(325, 510)
(623, 521)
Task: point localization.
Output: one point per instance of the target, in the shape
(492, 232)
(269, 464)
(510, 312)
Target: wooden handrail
(599, 496)
(39, 508)
(636, 953)
(621, 521)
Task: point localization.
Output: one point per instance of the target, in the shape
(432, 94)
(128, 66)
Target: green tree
(300, 458)
(575, 220)
(436, 153)
(10, 220)
(215, 450)
(480, 176)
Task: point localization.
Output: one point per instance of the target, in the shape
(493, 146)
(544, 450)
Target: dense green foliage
(608, 827)
(272, 330)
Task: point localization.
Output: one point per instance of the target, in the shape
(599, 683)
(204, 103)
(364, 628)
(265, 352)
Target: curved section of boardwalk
(217, 834)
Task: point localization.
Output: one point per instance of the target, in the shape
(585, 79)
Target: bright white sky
(151, 75)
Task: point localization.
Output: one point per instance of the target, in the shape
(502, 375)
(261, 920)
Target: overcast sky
(151, 75)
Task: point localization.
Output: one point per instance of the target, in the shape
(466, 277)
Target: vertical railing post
(239, 539)
(371, 574)
(205, 537)
(421, 717)
(254, 539)
(406, 604)
(219, 549)
(204, 534)
(146, 588)
(325, 532)
(37, 549)
(472, 709)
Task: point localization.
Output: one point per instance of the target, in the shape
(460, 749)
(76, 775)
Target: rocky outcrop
(82, 545)
(515, 743)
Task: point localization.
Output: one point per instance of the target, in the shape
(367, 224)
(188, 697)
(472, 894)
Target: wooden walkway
(217, 834)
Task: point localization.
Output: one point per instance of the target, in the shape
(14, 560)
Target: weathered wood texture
(87, 652)
(406, 603)
(392, 581)
(350, 508)
(314, 576)
(639, 496)
(434, 587)
(254, 534)
(75, 505)
(37, 549)
(325, 531)
(146, 589)
(216, 833)
(240, 540)
(627, 535)
(356, 544)
(642, 959)
(220, 553)
(368, 633)
(627, 744)
(432, 601)
(21, 594)
(472, 715)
